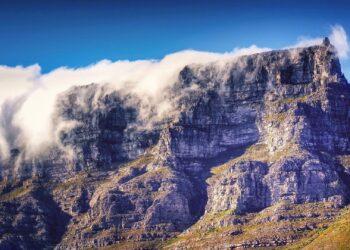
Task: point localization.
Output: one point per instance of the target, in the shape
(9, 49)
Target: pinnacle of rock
(326, 41)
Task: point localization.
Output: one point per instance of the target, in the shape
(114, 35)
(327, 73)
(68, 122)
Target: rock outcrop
(249, 134)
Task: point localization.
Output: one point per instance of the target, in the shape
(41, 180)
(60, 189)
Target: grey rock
(276, 123)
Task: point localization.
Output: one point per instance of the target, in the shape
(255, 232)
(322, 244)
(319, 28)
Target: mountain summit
(254, 152)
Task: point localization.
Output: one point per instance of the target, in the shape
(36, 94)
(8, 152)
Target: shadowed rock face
(105, 131)
(249, 133)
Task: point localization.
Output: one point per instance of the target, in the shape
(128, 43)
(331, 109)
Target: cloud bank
(32, 115)
(337, 37)
(27, 97)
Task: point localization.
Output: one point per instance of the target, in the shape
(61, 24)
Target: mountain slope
(337, 236)
(255, 151)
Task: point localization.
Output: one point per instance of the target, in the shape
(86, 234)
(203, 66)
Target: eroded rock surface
(250, 133)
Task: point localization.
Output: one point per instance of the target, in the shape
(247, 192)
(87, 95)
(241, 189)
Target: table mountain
(255, 153)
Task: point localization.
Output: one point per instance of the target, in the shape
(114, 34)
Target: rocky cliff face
(256, 133)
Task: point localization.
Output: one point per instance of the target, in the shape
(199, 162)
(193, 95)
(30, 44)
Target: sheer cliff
(256, 153)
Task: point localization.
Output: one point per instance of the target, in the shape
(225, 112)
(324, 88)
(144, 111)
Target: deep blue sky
(77, 33)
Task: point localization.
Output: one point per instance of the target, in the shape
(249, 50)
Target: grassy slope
(257, 228)
(336, 236)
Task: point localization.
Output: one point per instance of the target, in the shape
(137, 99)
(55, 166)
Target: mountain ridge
(261, 133)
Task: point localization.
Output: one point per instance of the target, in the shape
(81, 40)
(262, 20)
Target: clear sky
(77, 33)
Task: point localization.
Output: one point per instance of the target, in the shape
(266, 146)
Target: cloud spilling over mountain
(27, 97)
(338, 38)
(153, 151)
(145, 78)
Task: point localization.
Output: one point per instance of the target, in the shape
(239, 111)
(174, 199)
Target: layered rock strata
(249, 133)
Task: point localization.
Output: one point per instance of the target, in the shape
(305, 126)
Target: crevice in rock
(199, 201)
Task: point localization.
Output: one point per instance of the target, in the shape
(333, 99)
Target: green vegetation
(127, 245)
(264, 227)
(297, 99)
(257, 152)
(336, 236)
(15, 190)
(79, 180)
(139, 162)
(126, 169)
(314, 96)
(301, 244)
(276, 117)
(213, 217)
(260, 152)
(85, 177)
(14, 193)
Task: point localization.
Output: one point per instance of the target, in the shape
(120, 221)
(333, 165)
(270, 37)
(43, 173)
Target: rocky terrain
(257, 154)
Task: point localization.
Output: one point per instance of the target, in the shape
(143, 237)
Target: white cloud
(337, 37)
(145, 78)
(16, 81)
(307, 42)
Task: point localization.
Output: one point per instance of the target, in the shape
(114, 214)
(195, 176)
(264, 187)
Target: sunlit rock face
(243, 135)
